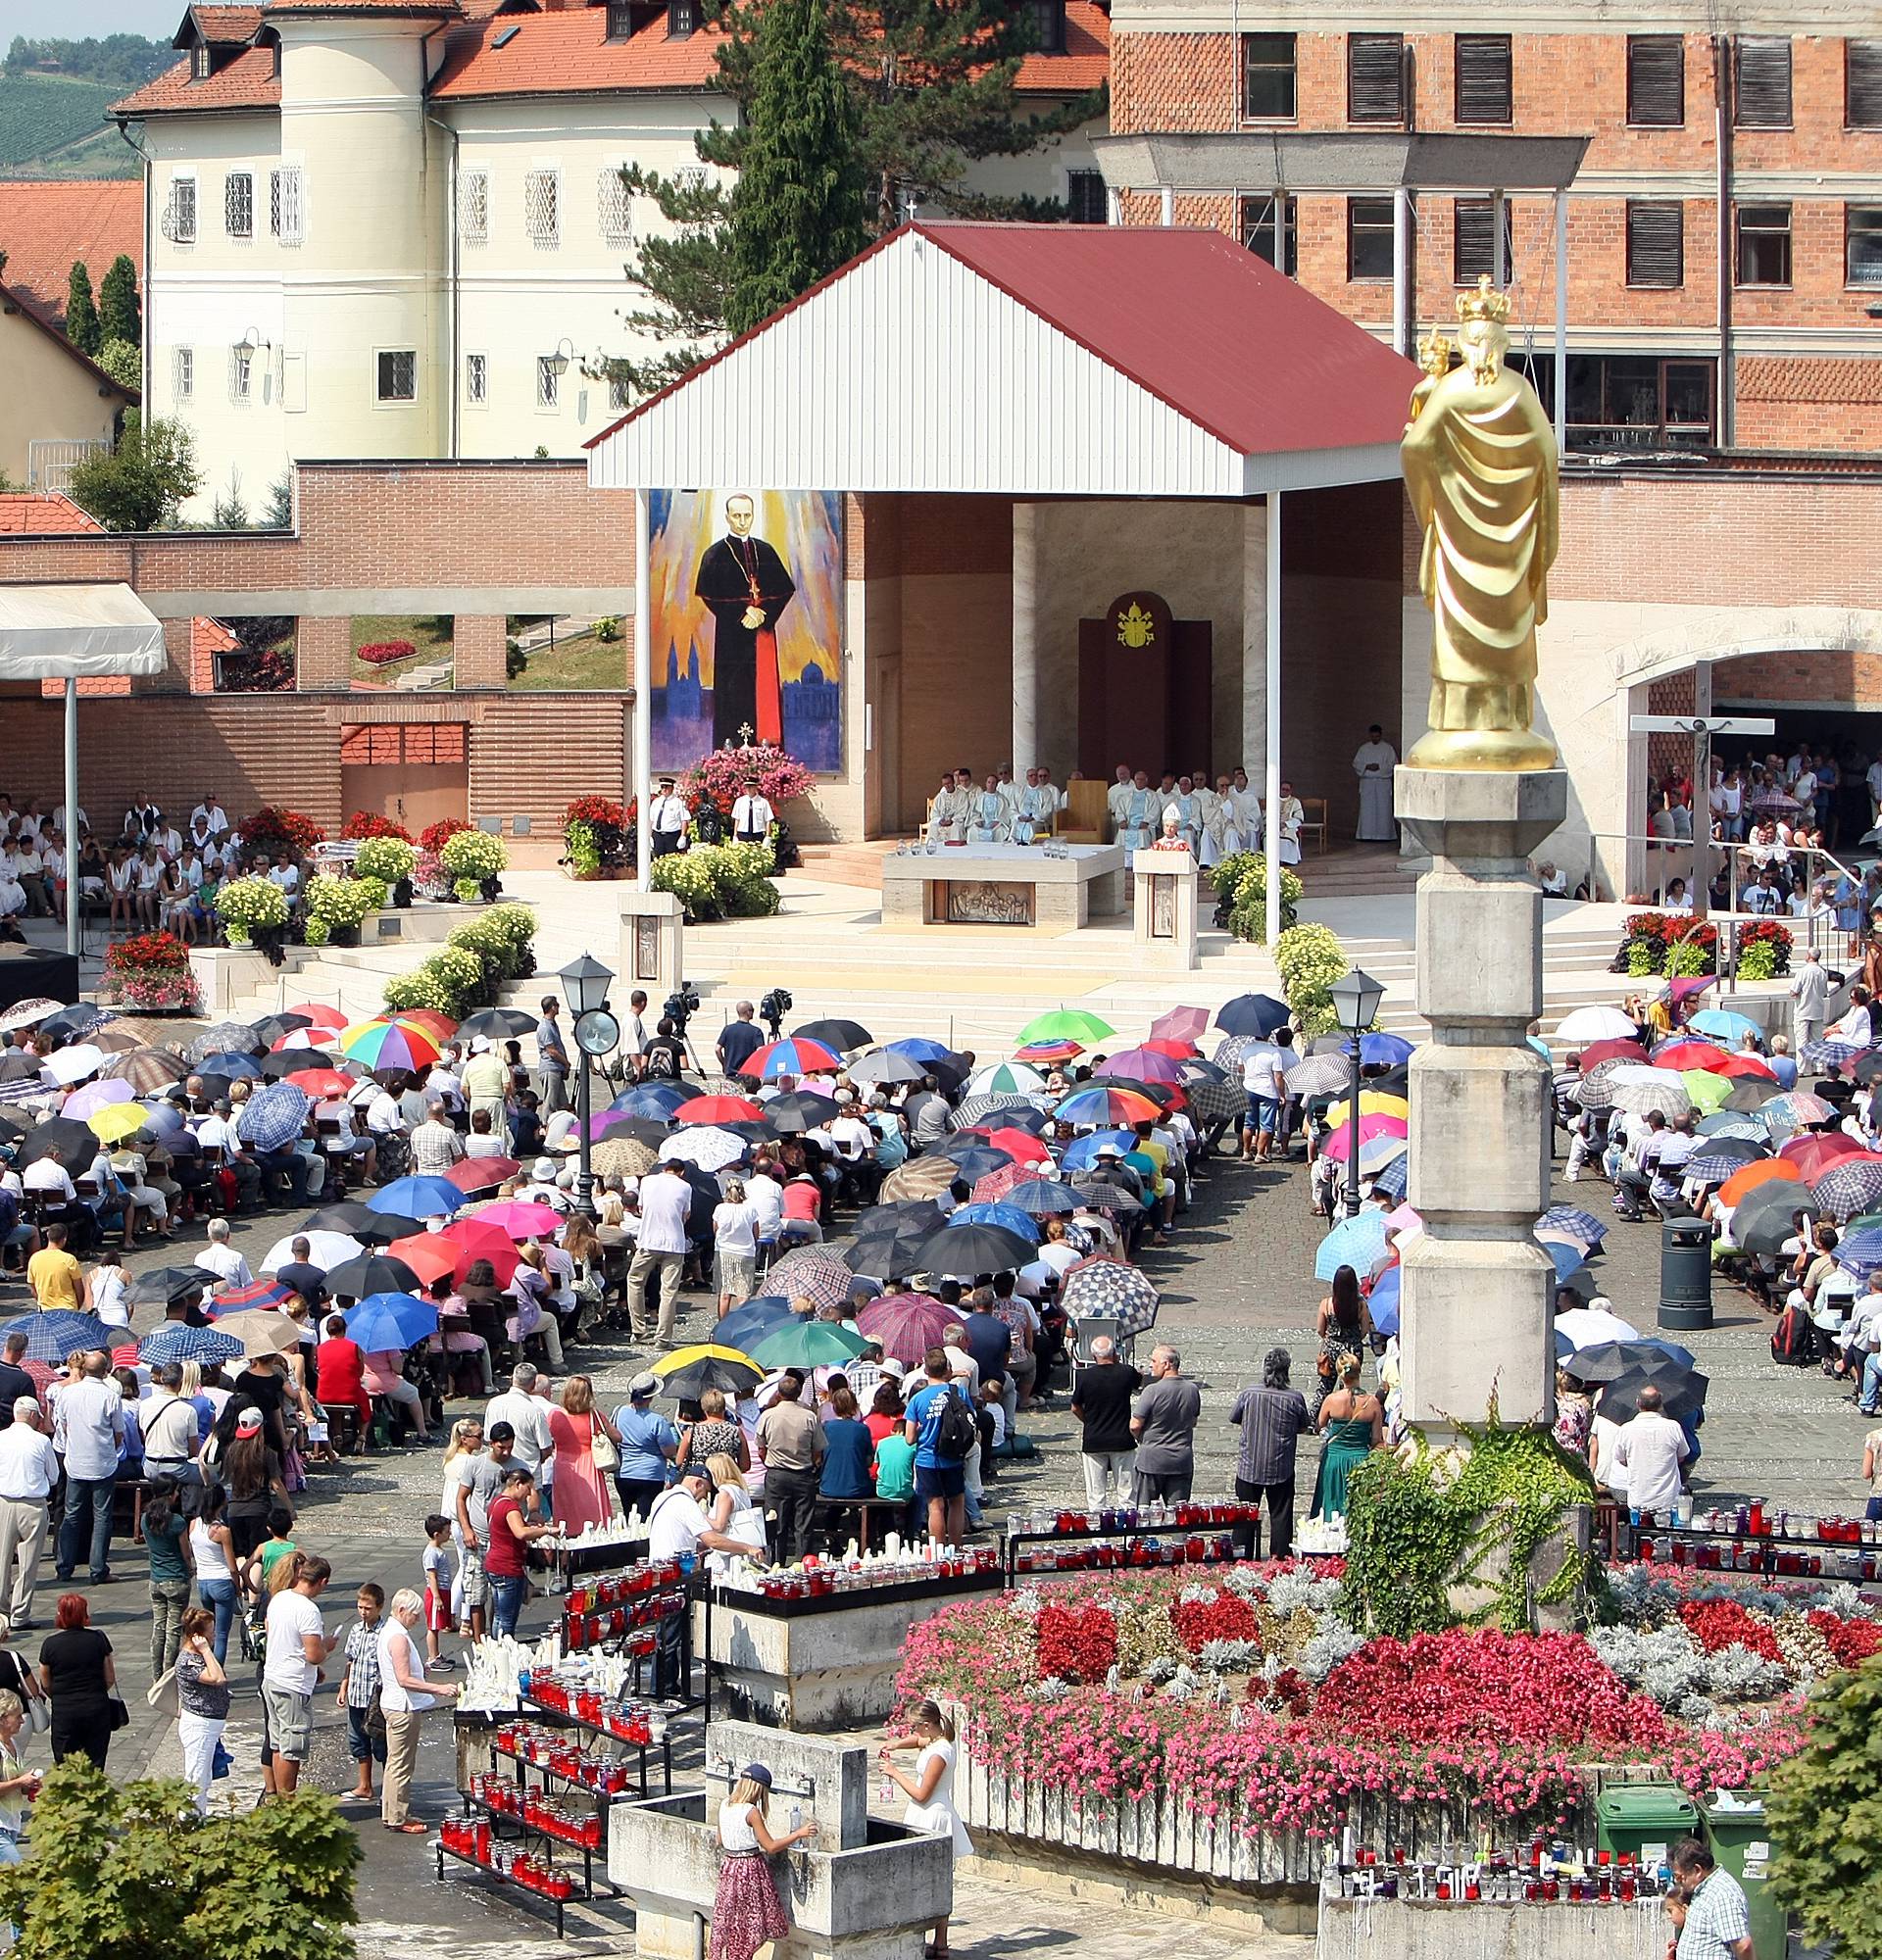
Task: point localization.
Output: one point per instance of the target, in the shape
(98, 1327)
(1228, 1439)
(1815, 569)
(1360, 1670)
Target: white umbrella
(1592, 1024)
(327, 1250)
(1639, 1088)
(28, 1014)
(66, 1065)
(1585, 1326)
(1004, 1078)
(712, 1149)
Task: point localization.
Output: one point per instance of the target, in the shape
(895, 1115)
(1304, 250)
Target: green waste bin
(1631, 1816)
(1737, 1833)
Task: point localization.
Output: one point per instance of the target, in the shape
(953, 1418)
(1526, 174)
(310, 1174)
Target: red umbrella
(316, 1037)
(1599, 1052)
(1018, 1146)
(1688, 1054)
(476, 1240)
(427, 1256)
(996, 1184)
(321, 1017)
(908, 1325)
(1178, 1051)
(1745, 1063)
(1183, 1024)
(481, 1173)
(441, 1025)
(718, 1110)
(1815, 1152)
(322, 1082)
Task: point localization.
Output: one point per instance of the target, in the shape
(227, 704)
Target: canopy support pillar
(1272, 787)
(68, 842)
(643, 695)
(1025, 639)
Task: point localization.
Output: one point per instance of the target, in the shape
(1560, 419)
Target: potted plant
(473, 860)
(342, 905)
(597, 834)
(150, 974)
(392, 861)
(249, 907)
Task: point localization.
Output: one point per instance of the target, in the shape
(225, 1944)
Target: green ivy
(1823, 1806)
(1424, 1523)
(1758, 961)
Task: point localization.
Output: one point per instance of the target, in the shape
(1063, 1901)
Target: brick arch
(1730, 634)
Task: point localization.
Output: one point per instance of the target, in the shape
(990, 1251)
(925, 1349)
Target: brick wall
(477, 650)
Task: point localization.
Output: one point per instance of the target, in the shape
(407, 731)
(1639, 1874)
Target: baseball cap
(248, 1423)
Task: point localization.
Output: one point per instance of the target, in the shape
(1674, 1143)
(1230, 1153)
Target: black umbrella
(753, 1130)
(270, 1028)
(19, 1067)
(497, 1024)
(642, 1129)
(215, 1088)
(1682, 1390)
(798, 1110)
(845, 1036)
(1252, 1014)
(708, 1195)
(11, 1128)
(164, 1286)
(69, 1023)
(361, 1222)
(1763, 1218)
(961, 1251)
(1867, 1067)
(371, 1273)
(974, 1156)
(889, 1236)
(75, 1142)
(949, 1071)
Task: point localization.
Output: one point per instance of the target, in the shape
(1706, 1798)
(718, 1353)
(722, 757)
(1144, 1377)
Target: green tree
(134, 1873)
(121, 360)
(141, 485)
(278, 515)
(82, 327)
(1825, 1810)
(229, 513)
(796, 211)
(120, 314)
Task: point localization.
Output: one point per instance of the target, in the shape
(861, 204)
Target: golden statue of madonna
(1480, 465)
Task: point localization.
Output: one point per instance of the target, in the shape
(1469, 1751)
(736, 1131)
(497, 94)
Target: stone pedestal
(652, 941)
(1478, 1289)
(1163, 909)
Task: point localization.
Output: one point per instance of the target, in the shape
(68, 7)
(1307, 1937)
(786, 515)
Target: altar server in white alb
(1373, 763)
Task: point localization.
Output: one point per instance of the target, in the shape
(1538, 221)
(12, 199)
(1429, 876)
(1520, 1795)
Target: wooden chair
(1313, 818)
(1084, 819)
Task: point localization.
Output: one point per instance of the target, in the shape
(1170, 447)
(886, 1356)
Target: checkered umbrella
(273, 1117)
(53, 1335)
(1212, 1095)
(1316, 1075)
(1112, 1290)
(1640, 1090)
(225, 1037)
(1714, 1164)
(1583, 1225)
(1827, 1058)
(1039, 1196)
(1852, 1186)
(178, 1342)
(1391, 1181)
(813, 1274)
(148, 1070)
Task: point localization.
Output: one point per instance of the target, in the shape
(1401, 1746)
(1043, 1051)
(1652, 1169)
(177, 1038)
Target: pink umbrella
(519, 1220)
(906, 1325)
(1403, 1219)
(82, 1103)
(1186, 1024)
(1338, 1143)
(1141, 1065)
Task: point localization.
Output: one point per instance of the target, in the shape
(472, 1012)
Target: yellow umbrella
(688, 1372)
(1372, 1102)
(116, 1120)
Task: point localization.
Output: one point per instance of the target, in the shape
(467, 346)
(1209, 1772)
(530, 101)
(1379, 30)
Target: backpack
(954, 1432)
(1794, 1338)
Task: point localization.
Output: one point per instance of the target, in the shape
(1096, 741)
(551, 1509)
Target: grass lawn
(579, 663)
(429, 645)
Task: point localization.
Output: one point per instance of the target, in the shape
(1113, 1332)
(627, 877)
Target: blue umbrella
(418, 1196)
(1258, 1014)
(1724, 1025)
(1565, 1259)
(385, 1321)
(1042, 1197)
(655, 1099)
(273, 1117)
(1082, 1151)
(752, 1322)
(228, 1063)
(1383, 1050)
(1584, 1225)
(975, 1158)
(1009, 1217)
(1358, 1241)
(1382, 1302)
(919, 1047)
(175, 1342)
(1862, 1252)
(58, 1331)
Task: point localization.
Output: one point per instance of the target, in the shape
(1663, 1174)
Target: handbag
(601, 1445)
(161, 1695)
(119, 1714)
(376, 1717)
(38, 1714)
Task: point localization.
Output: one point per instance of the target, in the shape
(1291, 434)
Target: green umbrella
(808, 1343)
(1707, 1091)
(1067, 1023)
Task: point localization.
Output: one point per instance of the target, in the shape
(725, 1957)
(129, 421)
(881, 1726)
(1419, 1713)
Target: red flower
(1223, 1618)
(1077, 1642)
(272, 829)
(433, 836)
(365, 823)
(1852, 1641)
(1724, 1622)
(380, 652)
(594, 809)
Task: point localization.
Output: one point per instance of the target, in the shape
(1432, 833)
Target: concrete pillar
(1478, 1289)
(1562, 320)
(1025, 639)
(1254, 755)
(1402, 299)
(1271, 747)
(643, 781)
(322, 652)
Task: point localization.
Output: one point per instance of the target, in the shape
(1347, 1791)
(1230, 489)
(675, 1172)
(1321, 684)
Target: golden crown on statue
(1486, 302)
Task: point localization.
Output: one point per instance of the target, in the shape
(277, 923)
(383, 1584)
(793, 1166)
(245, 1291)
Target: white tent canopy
(74, 633)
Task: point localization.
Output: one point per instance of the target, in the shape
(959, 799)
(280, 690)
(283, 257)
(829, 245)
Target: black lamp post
(585, 984)
(1355, 997)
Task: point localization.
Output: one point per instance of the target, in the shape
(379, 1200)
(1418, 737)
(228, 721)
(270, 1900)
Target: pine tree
(119, 315)
(797, 209)
(82, 327)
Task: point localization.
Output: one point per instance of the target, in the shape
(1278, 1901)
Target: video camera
(682, 1005)
(774, 1008)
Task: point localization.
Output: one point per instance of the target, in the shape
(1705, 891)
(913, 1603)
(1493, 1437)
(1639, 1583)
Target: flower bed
(365, 823)
(1166, 1718)
(150, 973)
(1671, 943)
(381, 653)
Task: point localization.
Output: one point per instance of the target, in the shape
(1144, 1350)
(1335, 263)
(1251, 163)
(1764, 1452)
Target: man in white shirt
(47, 1177)
(855, 1143)
(1264, 1085)
(1650, 1448)
(665, 1206)
(214, 818)
(751, 817)
(298, 1647)
(527, 1413)
(169, 1423)
(222, 1258)
(29, 1470)
(668, 818)
(88, 1432)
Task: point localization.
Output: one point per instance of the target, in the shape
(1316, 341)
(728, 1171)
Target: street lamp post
(1355, 997)
(585, 984)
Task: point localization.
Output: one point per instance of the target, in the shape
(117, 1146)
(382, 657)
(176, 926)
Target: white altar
(1050, 888)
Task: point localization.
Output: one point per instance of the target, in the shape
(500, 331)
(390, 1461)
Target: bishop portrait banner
(745, 588)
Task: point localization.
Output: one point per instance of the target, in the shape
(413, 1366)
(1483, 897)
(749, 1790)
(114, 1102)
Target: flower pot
(239, 941)
(343, 935)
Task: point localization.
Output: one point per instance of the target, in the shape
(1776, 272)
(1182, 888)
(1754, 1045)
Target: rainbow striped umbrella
(1062, 1048)
(1107, 1106)
(391, 1041)
(792, 1056)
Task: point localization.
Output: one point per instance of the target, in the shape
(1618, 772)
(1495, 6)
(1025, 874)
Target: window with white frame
(179, 212)
(476, 379)
(616, 207)
(541, 209)
(548, 380)
(202, 62)
(182, 373)
(398, 374)
(241, 376)
(238, 204)
(473, 207)
(286, 205)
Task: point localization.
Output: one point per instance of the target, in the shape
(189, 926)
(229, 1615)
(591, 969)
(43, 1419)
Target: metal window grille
(241, 374)
(1472, 241)
(1864, 245)
(1257, 231)
(285, 206)
(1655, 244)
(1764, 244)
(179, 212)
(621, 394)
(201, 61)
(1763, 92)
(614, 207)
(1862, 84)
(1375, 77)
(398, 375)
(1268, 78)
(691, 177)
(1085, 200)
(548, 380)
(541, 214)
(473, 207)
(1048, 26)
(621, 20)
(476, 379)
(1483, 84)
(1368, 238)
(238, 204)
(182, 373)
(1656, 80)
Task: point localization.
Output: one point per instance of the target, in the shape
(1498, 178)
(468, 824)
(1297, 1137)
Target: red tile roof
(1086, 61)
(45, 226)
(248, 81)
(18, 303)
(222, 26)
(27, 511)
(448, 7)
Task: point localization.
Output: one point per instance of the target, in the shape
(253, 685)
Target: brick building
(1723, 226)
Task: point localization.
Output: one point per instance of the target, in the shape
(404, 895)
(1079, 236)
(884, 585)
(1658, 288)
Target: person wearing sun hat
(746, 1909)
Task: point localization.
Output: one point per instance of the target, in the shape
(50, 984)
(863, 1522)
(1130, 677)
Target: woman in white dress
(929, 1788)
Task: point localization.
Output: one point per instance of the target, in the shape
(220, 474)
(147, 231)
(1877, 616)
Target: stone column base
(652, 942)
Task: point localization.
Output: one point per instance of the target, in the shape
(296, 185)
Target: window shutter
(1655, 245)
(1764, 84)
(1862, 84)
(1375, 78)
(1483, 80)
(1471, 256)
(1656, 80)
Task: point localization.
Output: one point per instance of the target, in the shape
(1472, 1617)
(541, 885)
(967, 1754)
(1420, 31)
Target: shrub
(607, 833)
(584, 853)
(434, 835)
(692, 878)
(381, 653)
(1308, 960)
(365, 823)
(339, 902)
(280, 831)
(474, 856)
(451, 982)
(606, 629)
(1757, 962)
(501, 938)
(386, 857)
(316, 932)
(247, 905)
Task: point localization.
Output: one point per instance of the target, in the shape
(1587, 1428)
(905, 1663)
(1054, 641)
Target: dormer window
(682, 18)
(621, 20)
(199, 62)
(1049, 25)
